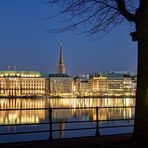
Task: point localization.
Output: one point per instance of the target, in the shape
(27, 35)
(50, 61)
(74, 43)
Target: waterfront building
(115, 84)
(75, 85)
(120, 84)
(84, 88)
(22, 83)
(60, 85)
(127, 84)
(105, 84)
(81, 85)
(98, 84)
(32, 83)
(134, 84)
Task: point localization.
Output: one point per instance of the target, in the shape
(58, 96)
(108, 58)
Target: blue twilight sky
(25, 43)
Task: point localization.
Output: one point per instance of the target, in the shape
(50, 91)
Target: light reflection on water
(62, 115)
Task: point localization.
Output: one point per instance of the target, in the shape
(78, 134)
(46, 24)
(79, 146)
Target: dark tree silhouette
(102, 16)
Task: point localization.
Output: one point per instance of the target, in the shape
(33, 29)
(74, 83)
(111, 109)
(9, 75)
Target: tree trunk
(141, 110)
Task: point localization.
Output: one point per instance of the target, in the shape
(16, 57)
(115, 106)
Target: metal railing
(50, 123)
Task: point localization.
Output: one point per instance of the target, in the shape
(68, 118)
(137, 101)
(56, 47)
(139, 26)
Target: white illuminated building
(22, 83)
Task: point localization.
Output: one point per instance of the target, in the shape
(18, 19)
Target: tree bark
(141, 109)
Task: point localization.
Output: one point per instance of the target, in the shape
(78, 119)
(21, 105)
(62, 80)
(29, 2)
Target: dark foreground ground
(121, 141)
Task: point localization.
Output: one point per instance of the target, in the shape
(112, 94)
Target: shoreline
(64, 97)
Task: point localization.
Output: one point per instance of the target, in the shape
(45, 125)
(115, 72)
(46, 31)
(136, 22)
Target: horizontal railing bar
(117, 134)
(115, 126)
(2, 125)
(29, 132)
(6, 109)
(116, 120)
(97, 97)
(55, 108)
(76, 129)
(94, 121)
(95, 107)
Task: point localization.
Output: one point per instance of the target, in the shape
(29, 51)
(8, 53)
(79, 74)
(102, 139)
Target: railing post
(50, 124)
(97, 122)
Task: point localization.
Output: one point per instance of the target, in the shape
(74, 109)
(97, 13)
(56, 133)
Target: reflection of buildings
(91, 102)
(87, 114)
(61, 130)
(104, 114)
(114, 113)
(22, 116)
(62, 115)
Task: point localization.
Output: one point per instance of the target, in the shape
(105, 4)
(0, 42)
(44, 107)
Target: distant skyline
(25, 43)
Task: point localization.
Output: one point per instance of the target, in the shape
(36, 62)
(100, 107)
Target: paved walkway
(121, 141)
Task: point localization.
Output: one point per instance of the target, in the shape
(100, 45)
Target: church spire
(61, 61)
(61, 68)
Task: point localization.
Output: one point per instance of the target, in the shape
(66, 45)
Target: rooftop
(20, 74)
(58, 75)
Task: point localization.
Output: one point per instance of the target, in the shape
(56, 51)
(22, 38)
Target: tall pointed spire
(61, 61)
(61, 68)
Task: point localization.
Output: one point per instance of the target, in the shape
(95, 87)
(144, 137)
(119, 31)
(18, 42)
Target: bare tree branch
(96, 15)
(122, 9)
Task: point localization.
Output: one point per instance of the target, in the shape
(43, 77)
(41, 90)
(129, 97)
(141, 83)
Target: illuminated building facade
(106, 84)
(115, 84)
(31, 83)
(98, 84)
(84, 87)
(80, 85)
(60, 85)
(120, 84)
(22, 83)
